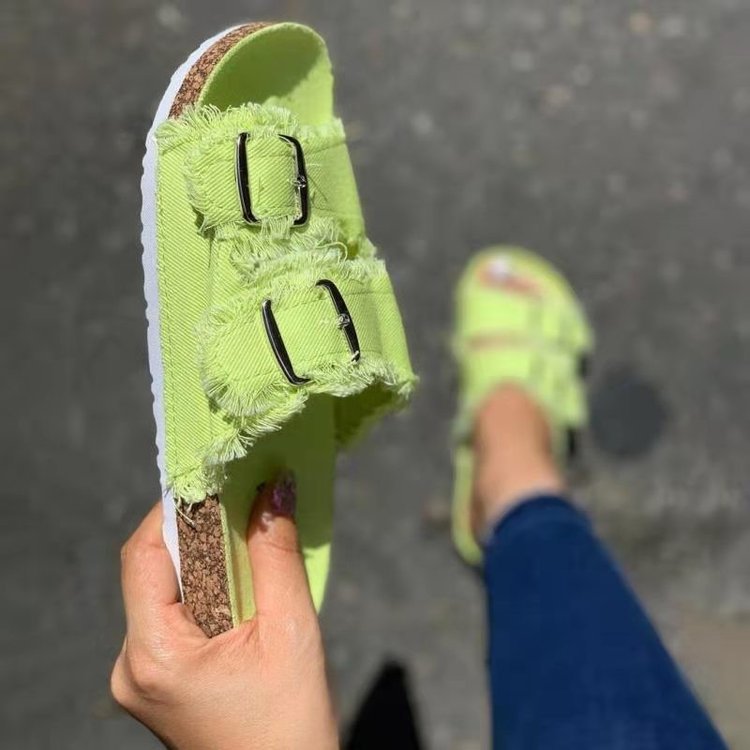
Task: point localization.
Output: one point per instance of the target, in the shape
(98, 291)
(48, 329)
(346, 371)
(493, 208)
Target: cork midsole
(196, 544)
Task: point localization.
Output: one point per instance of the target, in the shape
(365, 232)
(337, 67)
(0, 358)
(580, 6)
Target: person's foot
(513, 454)
(520, 335)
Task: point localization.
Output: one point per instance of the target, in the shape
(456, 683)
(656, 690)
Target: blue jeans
(574, 662)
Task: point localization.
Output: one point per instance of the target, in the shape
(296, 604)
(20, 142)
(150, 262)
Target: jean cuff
(530, 511)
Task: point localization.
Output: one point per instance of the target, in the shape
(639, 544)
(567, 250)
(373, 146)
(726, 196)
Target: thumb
(279, 579)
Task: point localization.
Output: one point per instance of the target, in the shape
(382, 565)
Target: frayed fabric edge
(208, 475)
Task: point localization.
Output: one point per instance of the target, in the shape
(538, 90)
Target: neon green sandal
(517, 320)
(274, 335)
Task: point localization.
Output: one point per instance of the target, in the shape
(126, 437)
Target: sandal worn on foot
(518, 321)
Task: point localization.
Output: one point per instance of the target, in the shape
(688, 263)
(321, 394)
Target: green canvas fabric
(223, 386)
(537, 339)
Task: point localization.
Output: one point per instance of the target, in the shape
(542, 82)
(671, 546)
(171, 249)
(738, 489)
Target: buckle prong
(346, 324)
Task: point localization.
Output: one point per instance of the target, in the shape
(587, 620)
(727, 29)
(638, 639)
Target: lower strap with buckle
(318, 324)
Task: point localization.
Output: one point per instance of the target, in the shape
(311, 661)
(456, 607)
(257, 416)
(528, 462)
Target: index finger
(149, 580)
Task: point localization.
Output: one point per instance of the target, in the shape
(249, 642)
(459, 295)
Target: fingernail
(283, 501)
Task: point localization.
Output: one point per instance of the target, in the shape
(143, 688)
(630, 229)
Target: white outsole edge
(151, 289)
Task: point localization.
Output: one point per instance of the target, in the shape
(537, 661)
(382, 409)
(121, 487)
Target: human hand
(260, 686)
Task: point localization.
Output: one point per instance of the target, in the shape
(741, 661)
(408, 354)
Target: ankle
(514, 456)
(509, 419)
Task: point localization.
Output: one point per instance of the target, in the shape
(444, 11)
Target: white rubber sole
(151, 289)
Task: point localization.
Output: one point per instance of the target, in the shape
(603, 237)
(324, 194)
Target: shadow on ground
(387, 717)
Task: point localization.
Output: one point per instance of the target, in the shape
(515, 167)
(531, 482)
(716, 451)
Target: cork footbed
(203, 571)
(203, 566)
(193, 83)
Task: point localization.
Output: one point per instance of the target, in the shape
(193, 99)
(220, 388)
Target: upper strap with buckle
(256, 165)
(524, 317)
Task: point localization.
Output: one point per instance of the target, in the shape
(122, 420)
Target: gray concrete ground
(610, 135)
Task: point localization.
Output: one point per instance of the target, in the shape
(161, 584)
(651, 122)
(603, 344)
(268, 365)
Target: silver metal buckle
(242, 175)
(346, 324)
